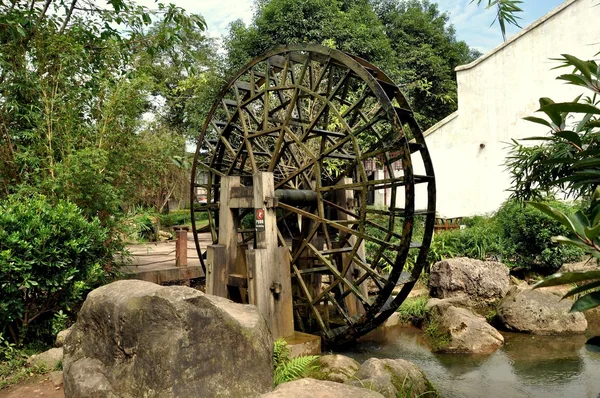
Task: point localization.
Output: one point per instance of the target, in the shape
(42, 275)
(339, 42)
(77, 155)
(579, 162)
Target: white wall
(494, 93)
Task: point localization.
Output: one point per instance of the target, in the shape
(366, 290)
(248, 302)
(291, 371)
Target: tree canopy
(410, 39)
(93, 101)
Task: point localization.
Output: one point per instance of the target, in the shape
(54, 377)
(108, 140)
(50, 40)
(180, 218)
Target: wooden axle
(243, 198)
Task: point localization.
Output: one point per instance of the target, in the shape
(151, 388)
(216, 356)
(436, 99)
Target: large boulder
(311, 388)
(135, 338)
(590, 264)
(338, 368)
(482, 282)
(460, 330)
(393, 378)
(539, 312)
(49, 360)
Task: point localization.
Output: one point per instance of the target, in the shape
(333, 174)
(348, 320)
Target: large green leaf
(575, 80)
(570, 136)
(592, 162)
(587, 302)
(581, 289)
(538, 120)
(592, 232)
(573, 241)
(554, 213)
(563, 278)
(593, 123)
(554, 115)
(580, 65)
(580, 222)
(571, 107)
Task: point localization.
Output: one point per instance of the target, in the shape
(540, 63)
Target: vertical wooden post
(345, 199)
(223, 257)
(181, 245)
(269, 280)
(216, 270)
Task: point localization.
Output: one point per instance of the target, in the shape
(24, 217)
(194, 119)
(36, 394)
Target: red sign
(260, 214)
(259, 219)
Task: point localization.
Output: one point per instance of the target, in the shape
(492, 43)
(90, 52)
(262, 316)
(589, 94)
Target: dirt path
(36, 387)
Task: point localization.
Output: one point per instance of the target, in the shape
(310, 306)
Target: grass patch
(492, 317)
(437, 339)
(13, 363)
(413, 310)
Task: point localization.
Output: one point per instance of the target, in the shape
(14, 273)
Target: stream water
(526, 366)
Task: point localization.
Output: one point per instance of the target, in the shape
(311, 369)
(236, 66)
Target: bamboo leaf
(581, 289)
(556, 214)
(570, 107)
(580, 65)
(587, 302)
(563, 278)
(538, 120)
(569, 136)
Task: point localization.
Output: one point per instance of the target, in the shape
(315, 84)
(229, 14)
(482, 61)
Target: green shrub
(481, 239)
(180, 217)
(50, 257)
(517, 235)
(529, 232)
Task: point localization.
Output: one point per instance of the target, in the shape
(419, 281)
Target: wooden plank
(228, 226)
(345, 200)
(269, 285)
(237, 280)
(216, 270)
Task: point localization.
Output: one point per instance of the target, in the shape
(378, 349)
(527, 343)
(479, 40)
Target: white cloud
(217, 13)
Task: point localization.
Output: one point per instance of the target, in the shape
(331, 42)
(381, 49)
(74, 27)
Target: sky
(472, 23)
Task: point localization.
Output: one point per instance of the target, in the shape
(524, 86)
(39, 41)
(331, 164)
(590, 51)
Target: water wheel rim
(378, 309)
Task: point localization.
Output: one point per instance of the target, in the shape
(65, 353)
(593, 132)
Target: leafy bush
(180, 217)
(516, 234)
(482, 239)
(50, 257)
(529, 232)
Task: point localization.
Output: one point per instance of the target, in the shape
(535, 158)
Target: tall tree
(427, 52)
(77, 82)
(411, 40)
(350, 26)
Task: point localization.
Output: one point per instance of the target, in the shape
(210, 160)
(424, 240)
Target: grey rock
(135, 338)
(61, 337)
(589, 264)
(56, 378)
(86, 378)
(338, 368)
(393, 377)
(466, 332)
(539, 312)
(50, 359)
(458, 301)
(483, 282)
(311, 388)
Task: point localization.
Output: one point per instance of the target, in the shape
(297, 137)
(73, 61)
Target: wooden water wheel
(341, 142)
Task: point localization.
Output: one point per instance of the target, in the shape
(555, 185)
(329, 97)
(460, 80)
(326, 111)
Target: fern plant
(289, 369)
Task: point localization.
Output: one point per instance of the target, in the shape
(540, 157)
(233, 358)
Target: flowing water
(526, 366)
